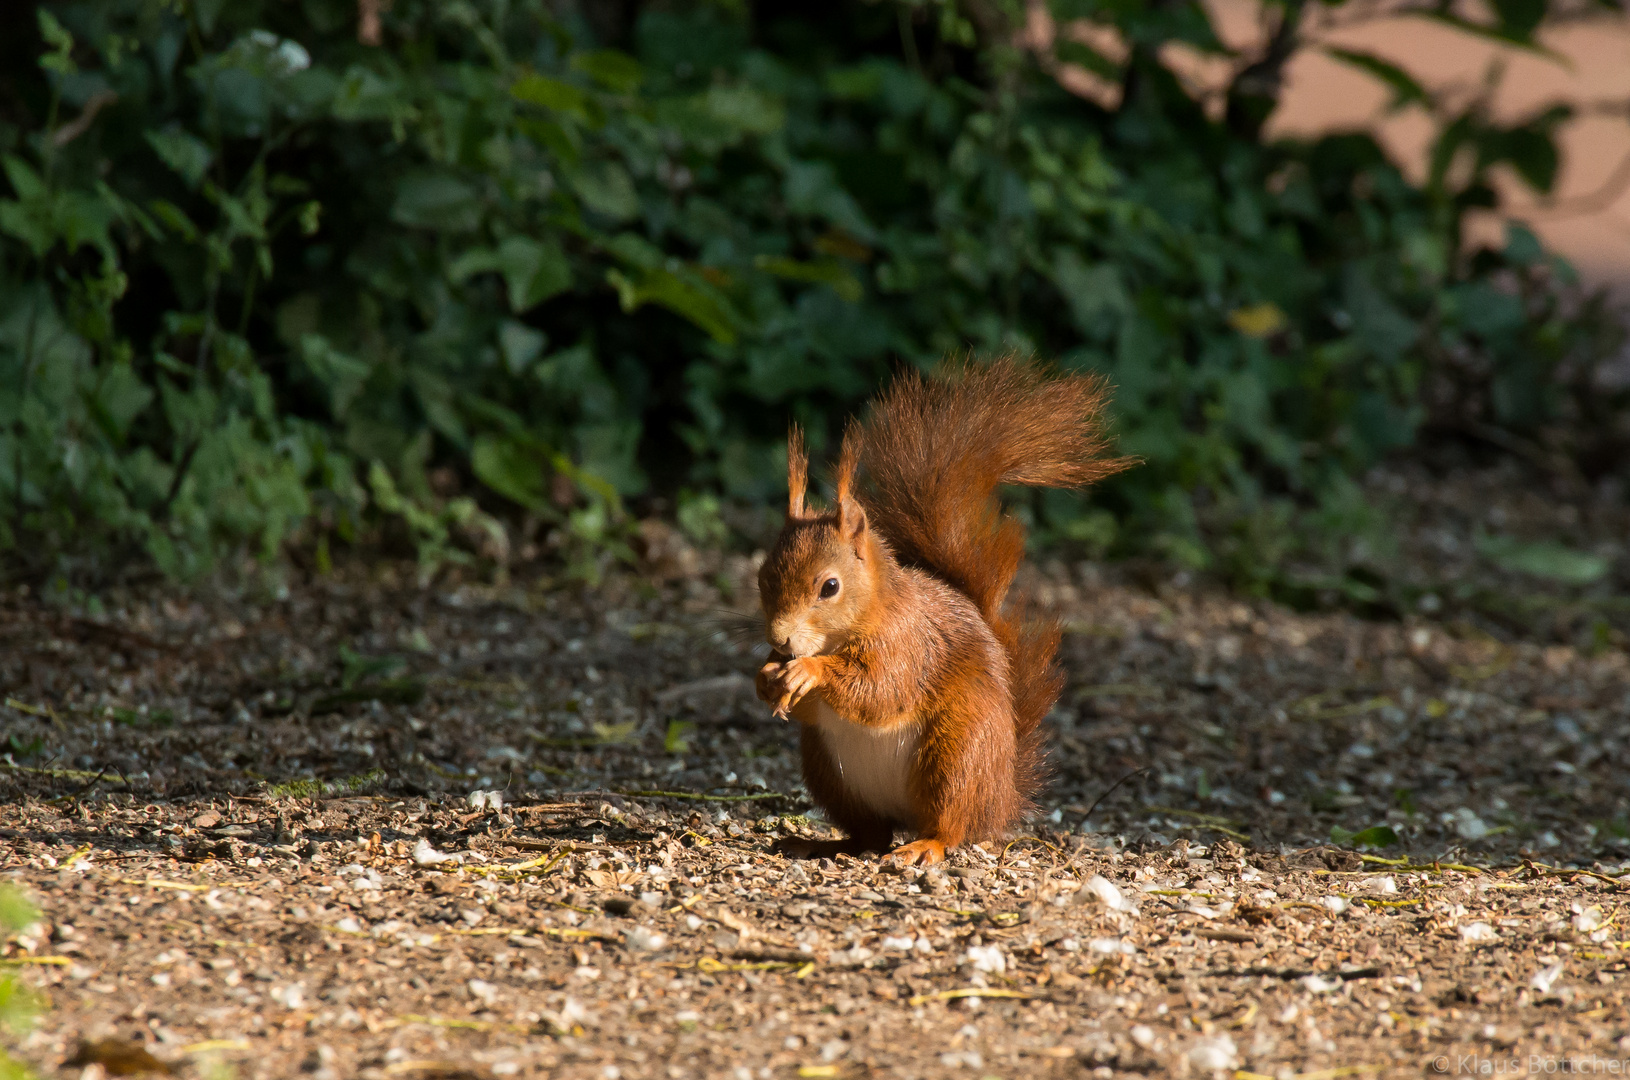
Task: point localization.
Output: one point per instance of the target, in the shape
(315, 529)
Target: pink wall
(1587, 217)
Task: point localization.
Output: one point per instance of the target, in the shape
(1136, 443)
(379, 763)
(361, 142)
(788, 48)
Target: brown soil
(621, 914)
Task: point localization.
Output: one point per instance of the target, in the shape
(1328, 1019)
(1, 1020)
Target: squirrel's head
(818, 582)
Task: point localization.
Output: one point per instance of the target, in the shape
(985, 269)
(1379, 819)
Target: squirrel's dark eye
(829, 589)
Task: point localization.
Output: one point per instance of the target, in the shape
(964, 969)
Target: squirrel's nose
(784, 645)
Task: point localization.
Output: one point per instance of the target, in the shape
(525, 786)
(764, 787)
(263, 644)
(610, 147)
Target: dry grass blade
(970, 992)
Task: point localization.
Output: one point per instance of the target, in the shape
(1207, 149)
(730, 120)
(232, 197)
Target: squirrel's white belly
(874, 763)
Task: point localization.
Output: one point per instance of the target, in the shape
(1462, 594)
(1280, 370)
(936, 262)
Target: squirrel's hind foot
(925, 852)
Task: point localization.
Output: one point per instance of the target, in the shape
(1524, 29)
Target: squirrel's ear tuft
(848, 463)
(797, 472)
(851, 517)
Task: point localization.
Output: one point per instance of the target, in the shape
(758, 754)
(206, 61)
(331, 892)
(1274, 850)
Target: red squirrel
(919, 699)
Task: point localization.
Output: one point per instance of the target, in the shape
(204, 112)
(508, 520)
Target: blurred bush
(275, 273)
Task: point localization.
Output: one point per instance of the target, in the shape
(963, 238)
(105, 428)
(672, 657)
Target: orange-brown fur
(914, 632)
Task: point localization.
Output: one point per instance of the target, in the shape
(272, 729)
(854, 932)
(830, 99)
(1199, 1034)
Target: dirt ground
(263, 832)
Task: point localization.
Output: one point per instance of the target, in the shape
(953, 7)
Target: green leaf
(27, 183)
(698, 517)
(1376, 836)
(175, 218)
(614, 70)
(82, 218)
(823, 272)
(356, 667)
(27, 224)
(613, 734)
(813, 188)
(183, 152)
(1405, 89)
(161, 718)
(1096, 295)
(1383, 327)
(1532, 151)
(514, 468)
(1484, 310)
(436, 396)
(340, 375)
(533, 271)
(207, 12)
(520, 345)
(191, 413)
(636, 250)
(746, 109)
(469, 263)
(859, 83)
(1501, 33)
(677, 738)
(145, 477)
(1521, 245)
(669, 290)
(364, 95)
(1544, 559)
(19, 1007)
(1096, 530)
(17, 911)
(60, 58)
(606, 188)
(551, 94)
(436, 201)
(1519, 18)
(119, 399)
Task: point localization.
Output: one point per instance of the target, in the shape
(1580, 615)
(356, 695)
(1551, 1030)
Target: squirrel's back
(936, 450)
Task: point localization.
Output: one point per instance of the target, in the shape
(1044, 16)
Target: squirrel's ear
(797, 472)
(852, 523)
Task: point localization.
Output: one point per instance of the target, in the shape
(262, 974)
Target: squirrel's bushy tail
(936, 450)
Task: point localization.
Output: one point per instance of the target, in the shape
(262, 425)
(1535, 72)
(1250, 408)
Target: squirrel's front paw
(800, 676)
(767, 684)
(784, 685)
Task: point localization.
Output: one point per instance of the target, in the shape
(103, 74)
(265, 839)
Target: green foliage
(1544, 559)
(677, 738)
(17, 911)
(19, 1005)
(1376, 836)
(260, 282)
(313, 789)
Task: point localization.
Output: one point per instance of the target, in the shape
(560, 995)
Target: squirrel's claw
(788, 702)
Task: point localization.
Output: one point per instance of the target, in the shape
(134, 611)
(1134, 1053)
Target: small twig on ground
(1112, 787)
(1405, 866)
(1541, 870)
